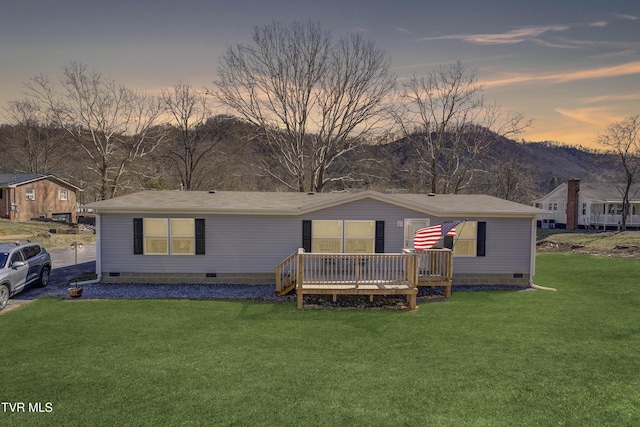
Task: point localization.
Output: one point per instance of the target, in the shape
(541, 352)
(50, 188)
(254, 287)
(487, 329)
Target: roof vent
(310, 193)
(431, 194)
(212, 191)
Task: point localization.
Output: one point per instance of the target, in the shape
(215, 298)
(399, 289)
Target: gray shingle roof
(608, 192)
(19, 178)
(14, 179)
(299, 203)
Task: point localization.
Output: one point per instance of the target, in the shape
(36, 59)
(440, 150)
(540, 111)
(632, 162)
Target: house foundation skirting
(192, 278)
(490, 279)
(270, 279)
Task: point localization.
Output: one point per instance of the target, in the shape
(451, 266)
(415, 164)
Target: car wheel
(44, 277)
(4, 296)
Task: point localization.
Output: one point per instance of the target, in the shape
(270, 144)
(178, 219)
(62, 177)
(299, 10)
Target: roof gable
(16, 179)
(559, 190)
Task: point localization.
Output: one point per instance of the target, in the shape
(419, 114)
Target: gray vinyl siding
(508, 247)
(257, 243)
(234, 244)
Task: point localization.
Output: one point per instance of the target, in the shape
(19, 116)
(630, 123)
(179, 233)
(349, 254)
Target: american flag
(426, 238)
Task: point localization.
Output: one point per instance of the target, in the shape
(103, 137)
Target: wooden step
(286, 290)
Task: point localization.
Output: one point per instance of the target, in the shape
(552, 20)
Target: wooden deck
(364, 274)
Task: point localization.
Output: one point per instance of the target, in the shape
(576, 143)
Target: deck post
(300, 278)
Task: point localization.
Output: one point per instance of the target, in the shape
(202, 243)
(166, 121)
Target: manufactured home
(233, 237)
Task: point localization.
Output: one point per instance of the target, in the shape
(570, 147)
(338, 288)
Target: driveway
(64, 270)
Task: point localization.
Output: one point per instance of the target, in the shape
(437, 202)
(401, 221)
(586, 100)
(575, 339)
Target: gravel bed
(174, 291)
(265, 293)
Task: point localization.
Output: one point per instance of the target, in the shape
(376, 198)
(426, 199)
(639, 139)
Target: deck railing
(435, 264)
(286, 272)
(410, 268)
(357, 269)
(372, 274)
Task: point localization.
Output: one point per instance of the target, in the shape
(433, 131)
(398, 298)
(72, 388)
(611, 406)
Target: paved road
(64, 270)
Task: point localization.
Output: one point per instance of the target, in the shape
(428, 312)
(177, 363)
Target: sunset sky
(572, 66)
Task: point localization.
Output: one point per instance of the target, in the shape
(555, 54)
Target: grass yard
(36, 231)
(479, 359)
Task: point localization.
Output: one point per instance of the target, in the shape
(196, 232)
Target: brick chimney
(573, 198)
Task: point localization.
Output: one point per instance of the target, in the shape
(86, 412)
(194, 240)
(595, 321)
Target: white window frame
(343, 237)
(174, 238)
(147, 235)
(315, 240)
(460, 228)
(370, 240)
(30, 193)
(63, 195)
(168, 236)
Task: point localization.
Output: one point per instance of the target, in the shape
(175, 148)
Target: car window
(16, 256)
(30, 251)
(3, 259)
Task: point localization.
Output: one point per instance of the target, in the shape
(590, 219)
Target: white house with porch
(596, 206)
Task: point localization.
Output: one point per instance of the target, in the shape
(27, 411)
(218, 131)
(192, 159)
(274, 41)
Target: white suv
(21, 265)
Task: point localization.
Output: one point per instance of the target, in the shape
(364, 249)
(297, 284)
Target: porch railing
(357, 269)
(429, 268)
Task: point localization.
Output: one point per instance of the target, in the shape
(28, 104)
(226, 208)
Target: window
(465, 241)
(471, 239)
(337, 236)
(63, 195)
(584, 209)
(553, 206)
(359, 237)
(183, 238)
(30, 193)
(30, 251)
(615, 209)
(156, 236)
(327, 237)
(537, 205)
(168, 236)
(16, 256)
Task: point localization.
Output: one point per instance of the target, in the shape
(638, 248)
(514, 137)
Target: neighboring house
(240, 237)
(24, 196)
(575, 205)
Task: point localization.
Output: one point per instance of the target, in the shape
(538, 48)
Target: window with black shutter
(138, 237)
(200, 247)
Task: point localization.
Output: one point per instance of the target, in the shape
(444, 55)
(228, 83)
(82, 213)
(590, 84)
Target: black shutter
(138, 237)
(448, 242)
(199, 236)
(481, 239)
(306, 235)
(379, 237)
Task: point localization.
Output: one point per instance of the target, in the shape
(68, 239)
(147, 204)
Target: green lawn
(536, 358)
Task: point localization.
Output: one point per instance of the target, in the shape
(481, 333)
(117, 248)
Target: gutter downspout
(533, 260)
(98, 279)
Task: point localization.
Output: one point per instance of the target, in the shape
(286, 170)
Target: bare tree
(188, 151)
(313, 100)
(112, 124)
(623, 140)
(35, 141)
(444, 117)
